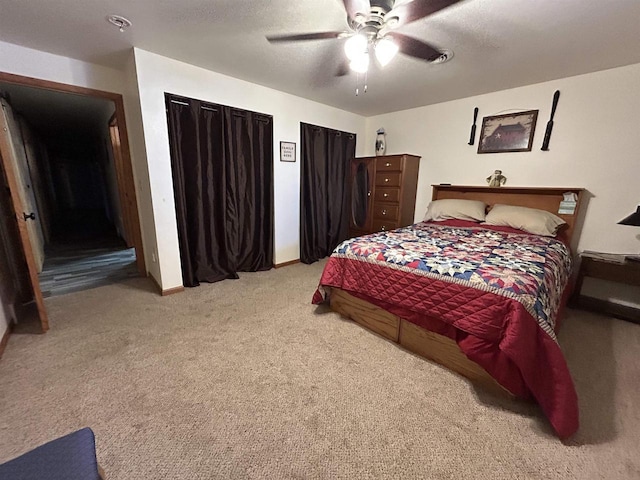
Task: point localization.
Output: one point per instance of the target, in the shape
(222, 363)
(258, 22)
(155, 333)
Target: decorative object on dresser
(472, 138)
(496, 179)
(381, 142)
(614, 268)
(632, 220)
(383, 193)
(547, 133)
(512, 132)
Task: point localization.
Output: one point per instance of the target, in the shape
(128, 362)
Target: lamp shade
(360, 63)
(386, 49)
(355, 46)
(633, 219)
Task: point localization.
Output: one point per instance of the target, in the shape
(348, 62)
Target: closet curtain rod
(236, 113)
(337, 133)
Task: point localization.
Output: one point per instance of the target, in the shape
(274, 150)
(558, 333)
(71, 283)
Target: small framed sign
(287, 152)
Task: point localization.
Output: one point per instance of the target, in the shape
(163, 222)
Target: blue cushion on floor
(72, 457)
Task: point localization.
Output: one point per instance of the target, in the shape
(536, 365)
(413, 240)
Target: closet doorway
(68, 188)
(325, 211)
(222, 165)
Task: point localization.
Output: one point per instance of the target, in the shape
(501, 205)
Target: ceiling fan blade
(304, 36)
(412, 11)
(415, 48)
(354, 7)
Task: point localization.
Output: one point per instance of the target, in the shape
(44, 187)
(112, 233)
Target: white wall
(594, 145)
(141, 169)
(34, 63)
(157, 75)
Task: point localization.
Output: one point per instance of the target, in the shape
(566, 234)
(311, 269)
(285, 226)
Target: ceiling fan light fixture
(386, 50)
(360, 63)
(355, 46)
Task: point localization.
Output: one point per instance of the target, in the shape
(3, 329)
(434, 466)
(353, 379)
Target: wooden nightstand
(607, 267)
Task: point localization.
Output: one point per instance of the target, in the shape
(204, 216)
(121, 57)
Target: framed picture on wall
(512, 132)
(287, 152)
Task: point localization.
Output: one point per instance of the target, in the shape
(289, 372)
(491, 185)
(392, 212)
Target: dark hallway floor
(85, 252)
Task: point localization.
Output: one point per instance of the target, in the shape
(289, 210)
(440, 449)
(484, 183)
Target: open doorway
(71, 166)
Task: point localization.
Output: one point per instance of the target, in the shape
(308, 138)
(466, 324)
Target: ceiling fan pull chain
(366, 81)
(357, 82)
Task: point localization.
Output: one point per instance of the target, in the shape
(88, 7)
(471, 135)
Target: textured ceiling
(498, 44)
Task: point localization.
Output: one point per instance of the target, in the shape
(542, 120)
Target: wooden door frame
(116, 152)
(130, 209)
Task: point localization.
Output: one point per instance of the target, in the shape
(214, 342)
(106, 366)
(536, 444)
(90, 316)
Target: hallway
(67, 150)
(85, 252)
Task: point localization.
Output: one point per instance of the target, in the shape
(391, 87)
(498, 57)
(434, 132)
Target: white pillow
(473, 210)
(530, 220)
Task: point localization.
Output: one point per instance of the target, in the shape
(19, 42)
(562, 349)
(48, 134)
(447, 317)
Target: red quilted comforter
(496, 291)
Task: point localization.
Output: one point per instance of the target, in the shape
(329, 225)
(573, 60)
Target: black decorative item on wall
(634, 221)
(472, 138)
(547, 133)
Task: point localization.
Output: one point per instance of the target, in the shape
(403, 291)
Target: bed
(487, 304)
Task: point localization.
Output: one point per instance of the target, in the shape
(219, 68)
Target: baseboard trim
(286, 264)
(5, 338)
(614, 309)
(171, 291)
(168, 291)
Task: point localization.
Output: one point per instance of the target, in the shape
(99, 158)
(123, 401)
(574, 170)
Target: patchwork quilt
(499, 289)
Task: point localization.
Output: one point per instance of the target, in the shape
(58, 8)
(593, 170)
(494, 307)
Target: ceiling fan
(372, 25)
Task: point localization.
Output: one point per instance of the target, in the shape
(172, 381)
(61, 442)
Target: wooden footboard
(418, 340)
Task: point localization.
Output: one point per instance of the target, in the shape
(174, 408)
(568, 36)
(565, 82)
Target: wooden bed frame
(431, 345)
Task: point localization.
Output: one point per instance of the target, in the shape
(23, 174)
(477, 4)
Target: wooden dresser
(383, 193)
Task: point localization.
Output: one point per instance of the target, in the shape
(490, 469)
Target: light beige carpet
(246, 379)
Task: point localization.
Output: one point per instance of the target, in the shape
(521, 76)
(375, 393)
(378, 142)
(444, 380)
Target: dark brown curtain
(324, 211)
(222, 164)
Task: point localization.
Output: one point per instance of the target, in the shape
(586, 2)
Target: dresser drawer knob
(386, 179)
(384, 212)
(368, 194)
(387, 164)
(383, 228)
(385, 195)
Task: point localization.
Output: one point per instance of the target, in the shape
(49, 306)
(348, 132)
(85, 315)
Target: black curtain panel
(222, 165)
(324, 211)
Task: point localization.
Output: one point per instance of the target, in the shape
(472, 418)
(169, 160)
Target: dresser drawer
(388, 164)
(390, 179)
(391, 195)
(386, 212)
(383, 225)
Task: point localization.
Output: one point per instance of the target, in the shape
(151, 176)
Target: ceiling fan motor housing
(386, 5)
(376, 22)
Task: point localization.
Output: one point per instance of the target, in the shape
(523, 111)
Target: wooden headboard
(543, 198)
